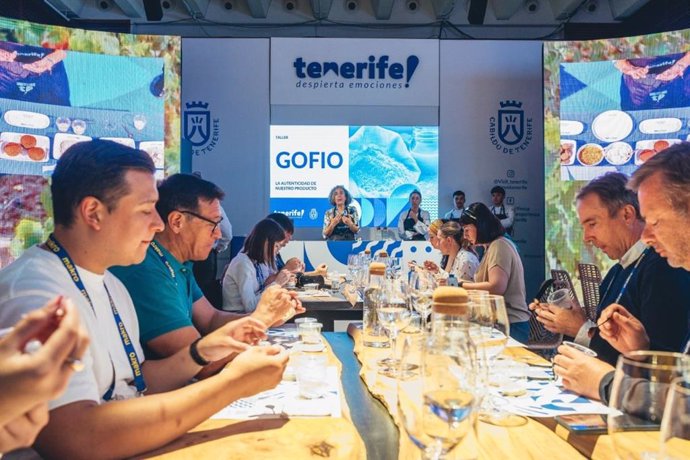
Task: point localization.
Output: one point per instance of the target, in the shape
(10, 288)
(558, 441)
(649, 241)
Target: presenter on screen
(341, 222)
(413, 224)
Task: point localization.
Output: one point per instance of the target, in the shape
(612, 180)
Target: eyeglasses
(205, 219)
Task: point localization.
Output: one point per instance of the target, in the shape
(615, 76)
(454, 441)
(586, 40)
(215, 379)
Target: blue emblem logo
(313, 214)
(511, 122)
(199, 128)
(510, 131)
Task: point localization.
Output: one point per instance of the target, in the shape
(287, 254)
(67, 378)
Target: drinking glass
(675, 425)
(421, 292)
(638, 397)
(436, 403)
(78, 126)
(560, 298)
(62, 124)
(394, 316)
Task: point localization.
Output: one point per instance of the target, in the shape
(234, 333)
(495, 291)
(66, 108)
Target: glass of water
(394, 316)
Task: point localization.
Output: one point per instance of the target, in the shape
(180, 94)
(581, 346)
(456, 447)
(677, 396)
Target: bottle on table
(373, 333)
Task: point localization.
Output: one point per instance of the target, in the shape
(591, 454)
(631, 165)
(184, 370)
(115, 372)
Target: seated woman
(500, 271)
(413, 225)
(245, 277)
(434, 227)
(342, 221)
(460, 260)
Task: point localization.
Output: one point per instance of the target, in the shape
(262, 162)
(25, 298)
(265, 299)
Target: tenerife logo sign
(374, 73)
(199, 128)
(509, 131)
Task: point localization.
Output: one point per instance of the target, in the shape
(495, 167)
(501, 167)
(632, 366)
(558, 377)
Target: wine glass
(675, 424)
(638, 398)
(421, 293)
(436, 404)
(394, 315)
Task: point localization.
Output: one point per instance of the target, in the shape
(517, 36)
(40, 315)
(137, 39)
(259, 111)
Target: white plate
(573, 148)
(156, 150)
(649, 143)
(660, 125)
(63, 141)
(41, 141)
(612, 126)
(120, 140)
(618, 153)
(571, 127)
(23, 119)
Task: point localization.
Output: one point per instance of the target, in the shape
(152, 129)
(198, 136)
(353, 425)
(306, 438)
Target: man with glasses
(172, 310)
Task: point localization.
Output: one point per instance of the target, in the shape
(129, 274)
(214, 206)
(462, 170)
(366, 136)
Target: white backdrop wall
(232, 76)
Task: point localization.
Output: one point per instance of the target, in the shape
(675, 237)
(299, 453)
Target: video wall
(379, 165)
(61, 86)
(610, 105)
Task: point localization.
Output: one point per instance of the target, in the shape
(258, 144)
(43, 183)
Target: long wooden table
(338, 306)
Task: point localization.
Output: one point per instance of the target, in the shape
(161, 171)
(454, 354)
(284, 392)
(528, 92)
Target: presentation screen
(610, 105)
(60, 86)
(379, 165)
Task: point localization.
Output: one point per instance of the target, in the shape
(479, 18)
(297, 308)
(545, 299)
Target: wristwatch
(194, 353)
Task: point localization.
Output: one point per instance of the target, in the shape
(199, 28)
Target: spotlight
(591, 6)
(412, 5)
(290, 5)
(168, 4)
(532, 6)
(228, 5)
(103, 4)
(351, 5)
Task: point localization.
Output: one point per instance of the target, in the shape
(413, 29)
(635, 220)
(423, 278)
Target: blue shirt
(163, 304)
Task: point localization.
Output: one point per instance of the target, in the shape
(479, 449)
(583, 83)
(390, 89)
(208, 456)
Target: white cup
(560, 298)
(311, 372)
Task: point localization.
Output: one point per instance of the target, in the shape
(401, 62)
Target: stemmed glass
(394, 316)
(421, 293)
(436, 405)
(675, 425)
(489, 330)
(638, 397)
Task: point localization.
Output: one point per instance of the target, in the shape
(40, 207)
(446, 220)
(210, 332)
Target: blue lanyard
(165, 260)
(139, 383)
(627, 280)
(260, 278)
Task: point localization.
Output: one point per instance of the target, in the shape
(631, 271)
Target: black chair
(590, 279)
(540, 340)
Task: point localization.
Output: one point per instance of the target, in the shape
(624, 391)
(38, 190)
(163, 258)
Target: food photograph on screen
(61, 86)
(610, 105)
(380, 166)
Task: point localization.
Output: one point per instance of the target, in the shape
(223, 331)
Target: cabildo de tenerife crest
(510, 131)
(199, 128)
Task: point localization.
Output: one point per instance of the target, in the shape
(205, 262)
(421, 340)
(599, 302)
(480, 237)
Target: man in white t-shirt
(104, 197)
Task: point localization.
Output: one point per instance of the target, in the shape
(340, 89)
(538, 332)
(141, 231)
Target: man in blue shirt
(170, 306)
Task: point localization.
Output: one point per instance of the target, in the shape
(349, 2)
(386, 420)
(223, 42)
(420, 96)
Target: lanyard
(260, 278)
(139, 383)
(627, 280)
(165, 260)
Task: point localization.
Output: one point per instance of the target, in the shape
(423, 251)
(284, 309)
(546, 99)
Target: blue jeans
(520, 331)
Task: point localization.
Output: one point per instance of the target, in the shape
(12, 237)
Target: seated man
(641, 281)
(176, 313)
(663, 185)
(104, 197)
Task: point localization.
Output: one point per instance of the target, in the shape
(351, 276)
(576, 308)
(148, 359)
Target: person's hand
(282, 277)
(259, 368)
(322, 270)
(581, 373)
(277, 305)
(6, 56)
(671, 73)
(294, 265)
(233, 337)
(22, 430)
(622, 330)
(635, 72)
(347, 220)
(558, 320)
(47, 370)
(431, 266)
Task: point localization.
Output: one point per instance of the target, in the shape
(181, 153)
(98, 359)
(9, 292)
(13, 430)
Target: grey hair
(673, 164)
(612, 191)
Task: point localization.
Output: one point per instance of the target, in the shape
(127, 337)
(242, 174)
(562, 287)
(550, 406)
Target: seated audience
(293, 265)
(176, 313)
(245, 277)
(500, 271)
(663, 187)
(29, 380)
(104, 197)
(642, 281)
(460, 260)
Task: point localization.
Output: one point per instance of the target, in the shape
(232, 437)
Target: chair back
(590, 278)
(541, 340)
